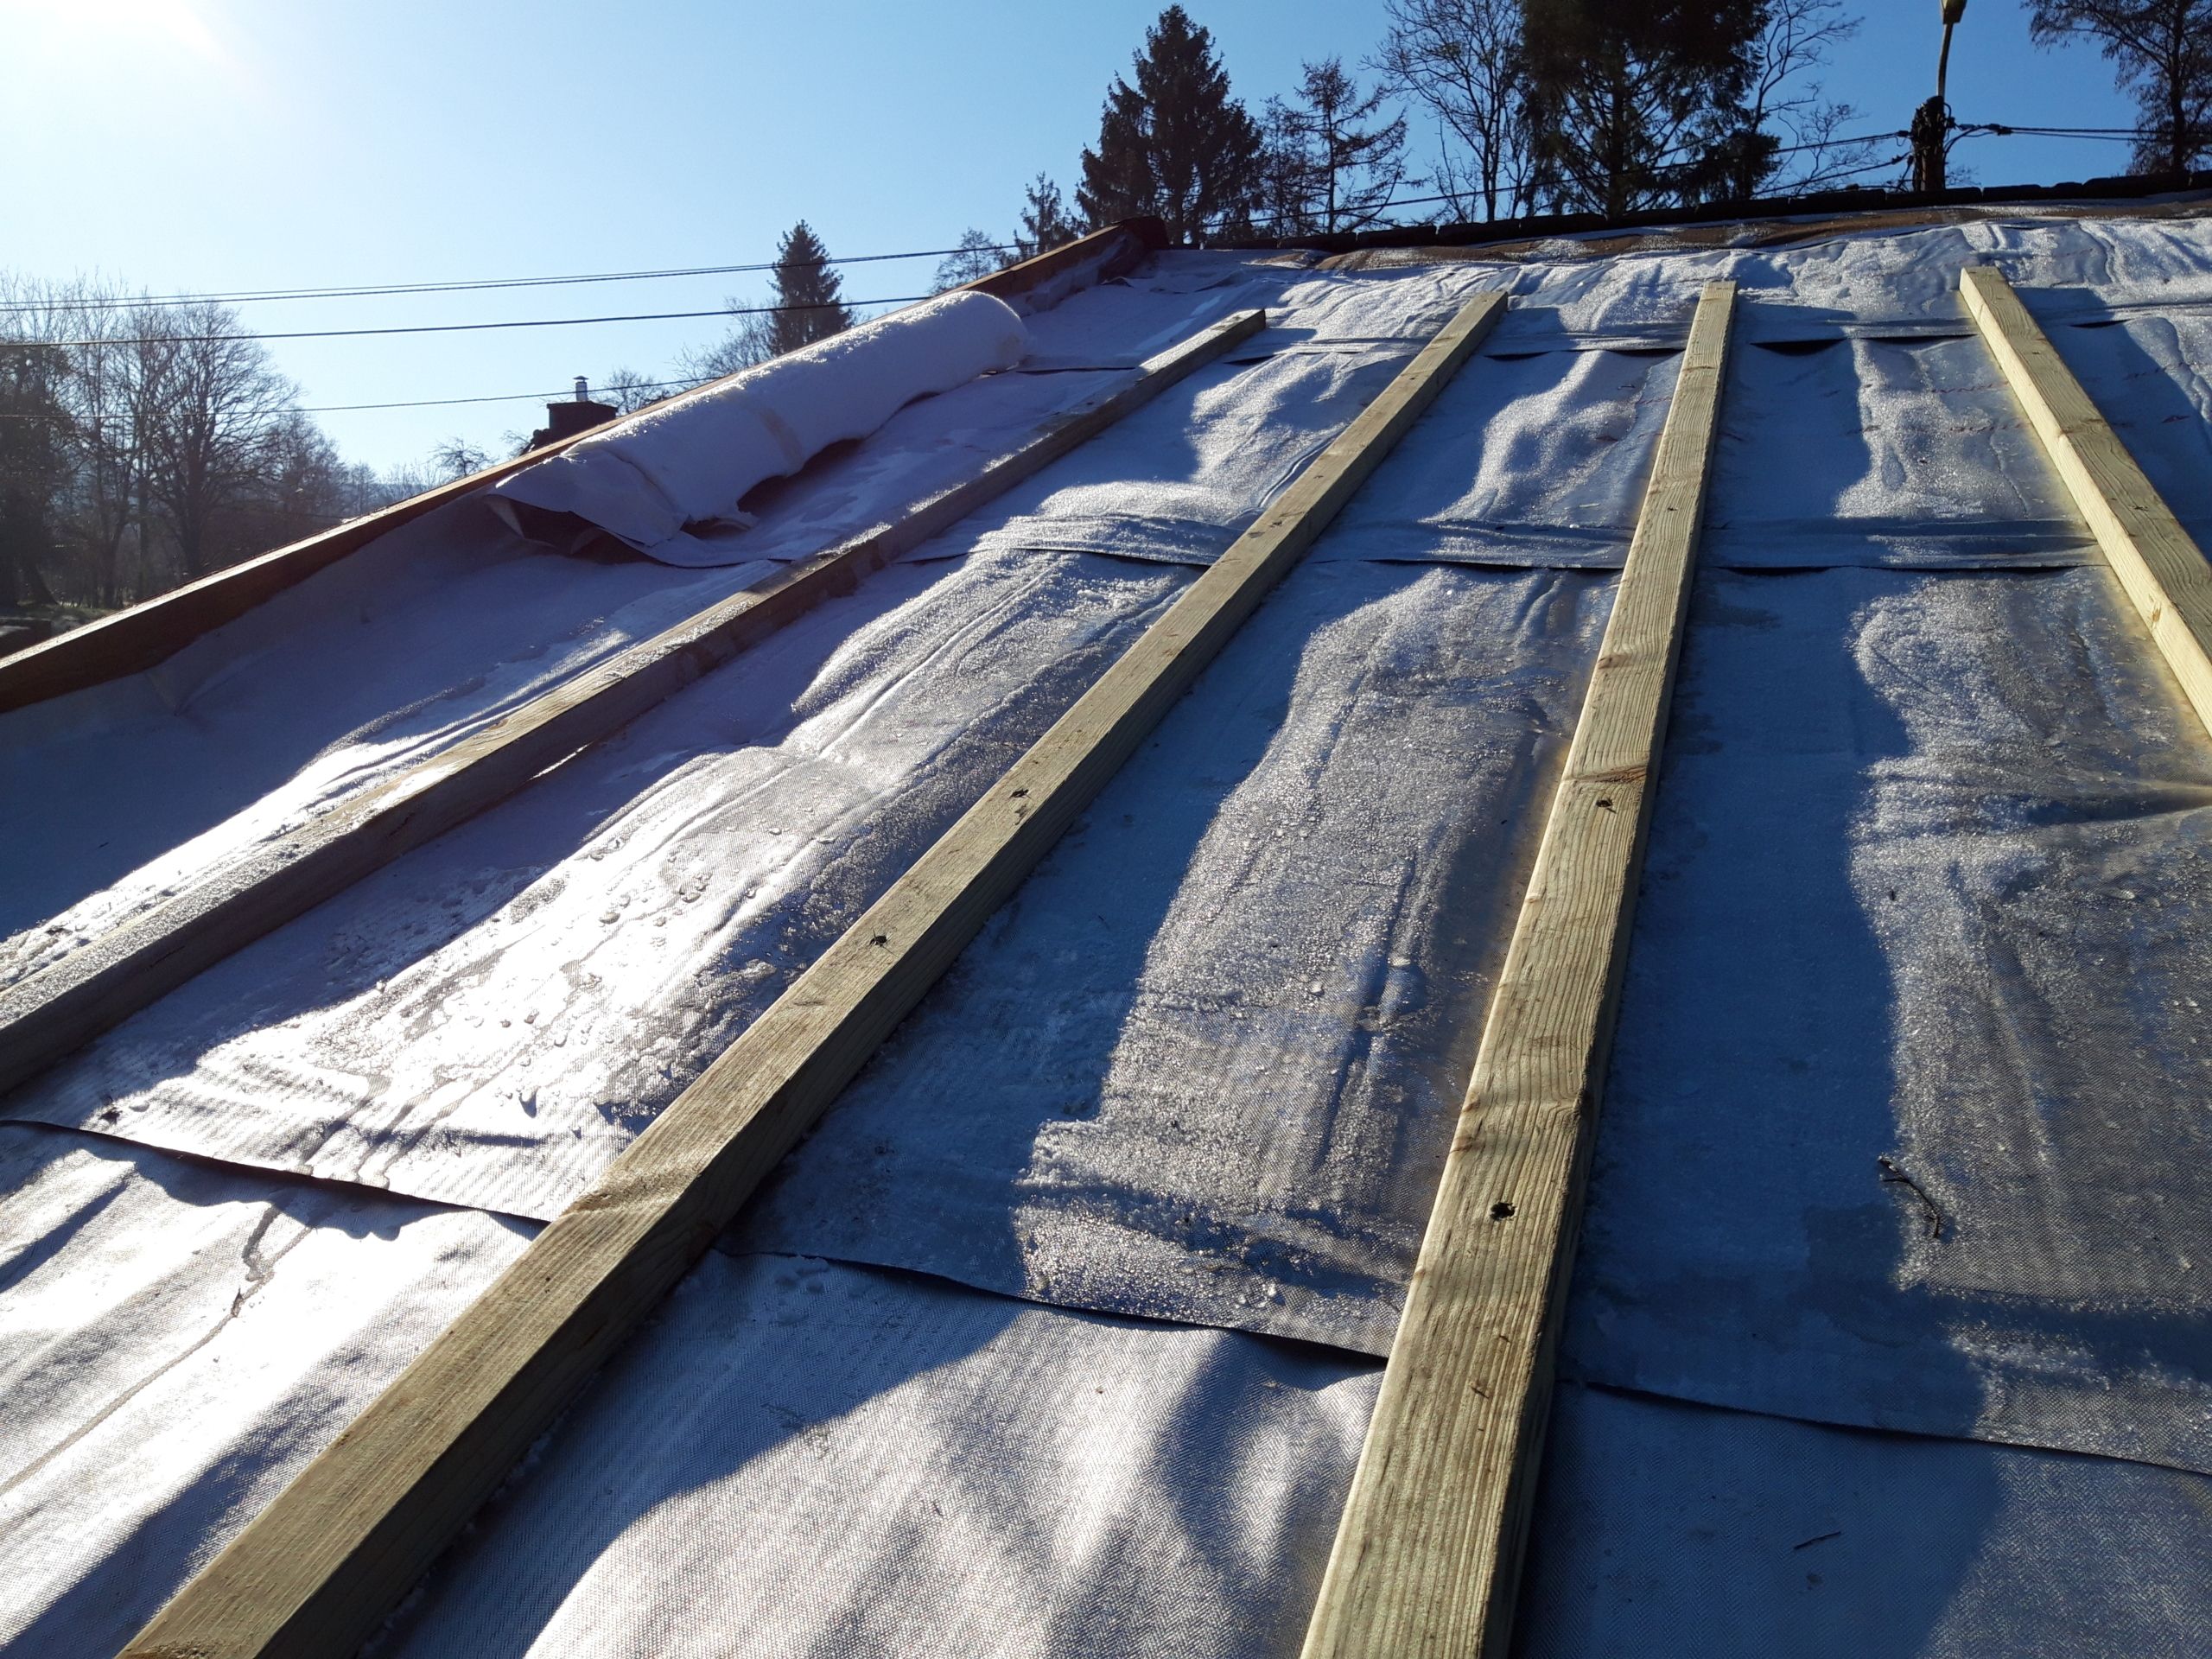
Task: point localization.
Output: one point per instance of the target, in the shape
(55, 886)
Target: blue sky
(226, 144)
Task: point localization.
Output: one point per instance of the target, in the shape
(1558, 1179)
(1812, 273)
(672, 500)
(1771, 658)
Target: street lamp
(1931, 122)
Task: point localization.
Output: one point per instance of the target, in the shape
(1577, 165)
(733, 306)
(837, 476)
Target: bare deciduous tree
(1462, 61)
(163, 446)
(33, 465)
(210, 400)
(1788, 138)
(298, 487)
(2162, 49)
(751, 341)
(458, 458)
(1324, 168)
(110, 466)
(628, 391)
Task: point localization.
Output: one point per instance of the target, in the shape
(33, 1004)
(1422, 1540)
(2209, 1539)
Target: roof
(1061, 1334)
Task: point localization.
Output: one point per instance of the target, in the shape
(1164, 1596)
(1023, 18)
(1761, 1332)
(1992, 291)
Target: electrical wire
(1998, 130)
(1986, 129)
(370, 290)
(1661, 166)
(373, 290)
(561, 394)
(2061, 132)
(464, 327)
(249, 297)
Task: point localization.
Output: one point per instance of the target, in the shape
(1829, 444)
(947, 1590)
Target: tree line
(2161, 53)
(1530, 106)
(1608, 106)
(145, 444)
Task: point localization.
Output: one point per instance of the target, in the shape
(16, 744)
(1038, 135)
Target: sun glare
(149, 21)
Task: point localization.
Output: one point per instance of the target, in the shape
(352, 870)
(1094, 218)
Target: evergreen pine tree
(803, 281)
(1045, 223)
(808, 293)
(1634, 102)
(1175, 143)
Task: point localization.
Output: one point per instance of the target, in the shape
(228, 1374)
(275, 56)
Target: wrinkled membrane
(1907, 1123)
(948, 1471)
(1900, 1136)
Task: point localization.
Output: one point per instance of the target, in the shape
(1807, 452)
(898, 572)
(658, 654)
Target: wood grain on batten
(109, 978)
(153, 629)
(2162, 571)
(353, 1533)
(1428, 1555)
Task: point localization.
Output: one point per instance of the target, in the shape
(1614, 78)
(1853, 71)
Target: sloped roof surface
(1059, 1337)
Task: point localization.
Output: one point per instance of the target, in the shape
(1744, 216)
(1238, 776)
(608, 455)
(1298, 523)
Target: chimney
(565, 420)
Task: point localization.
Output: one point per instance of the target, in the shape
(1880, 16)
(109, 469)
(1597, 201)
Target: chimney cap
(583, 390)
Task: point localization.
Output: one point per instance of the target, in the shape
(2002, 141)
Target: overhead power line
(2002, 129)
(467, 327)
(1661, 166)
(2061, 132)
(561, 395)
(1976, 130)
(367, 290)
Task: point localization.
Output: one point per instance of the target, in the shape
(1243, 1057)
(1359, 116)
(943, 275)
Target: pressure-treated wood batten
(352, 1534)
(1428, 1553)
(150, 632)
(2163, 571)
(113, 976)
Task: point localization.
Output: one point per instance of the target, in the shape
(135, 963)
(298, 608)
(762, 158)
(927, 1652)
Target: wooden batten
(2161, 570)
(350, 1536)
(1427, 1556)
(134, 639)
(67, 1005)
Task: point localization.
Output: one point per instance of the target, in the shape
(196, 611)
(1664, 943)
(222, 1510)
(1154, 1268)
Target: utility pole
(1931, 122)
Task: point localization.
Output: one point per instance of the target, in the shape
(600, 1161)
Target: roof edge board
(58, 1009)
(2162, 570)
